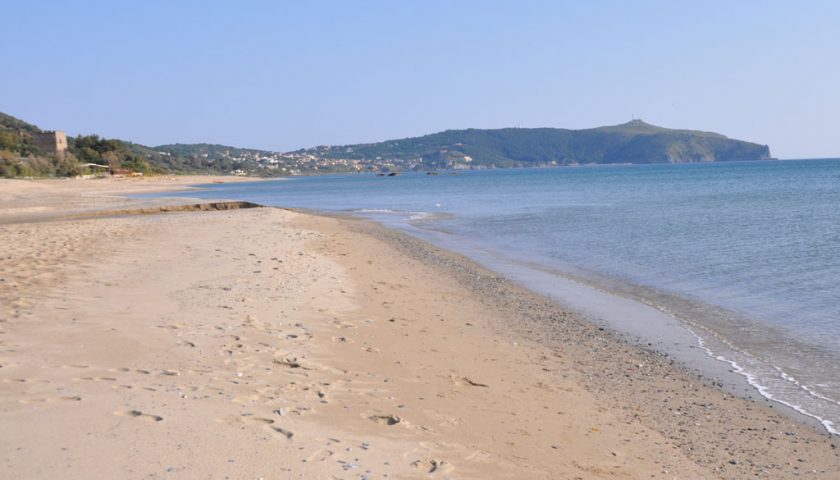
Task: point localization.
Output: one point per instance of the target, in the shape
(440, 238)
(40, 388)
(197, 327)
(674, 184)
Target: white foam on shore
(796, 382)
(405, 215)
(417, 216)
(377, 210)
(762, 389)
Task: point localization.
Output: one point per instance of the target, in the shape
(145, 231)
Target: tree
(112, 159)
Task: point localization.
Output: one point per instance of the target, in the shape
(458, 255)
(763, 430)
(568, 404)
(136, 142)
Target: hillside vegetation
(20, 157)
(632, 142)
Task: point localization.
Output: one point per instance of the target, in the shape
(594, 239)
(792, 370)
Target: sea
(734, 266)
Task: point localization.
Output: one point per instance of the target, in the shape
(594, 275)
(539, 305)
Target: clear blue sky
(284, 75)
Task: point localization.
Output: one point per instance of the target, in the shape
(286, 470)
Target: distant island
(26, 150)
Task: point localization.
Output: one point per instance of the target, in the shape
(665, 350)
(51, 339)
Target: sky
(283, 75)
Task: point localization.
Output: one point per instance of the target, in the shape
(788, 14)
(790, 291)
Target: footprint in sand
(479, 456)
(97, 379)
(138, 414)
(258, 421)
(174, 326)
(320, 455)
(31, 401)
(69, 398)
(15, 380)
(245, 419)
(249, 399)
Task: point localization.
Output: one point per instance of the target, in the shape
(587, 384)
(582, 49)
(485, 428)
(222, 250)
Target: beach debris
(282, 431)
(460, 381)
(386, 419)
(431, 465)
(139, 414)
(291, 362)
(473, 383)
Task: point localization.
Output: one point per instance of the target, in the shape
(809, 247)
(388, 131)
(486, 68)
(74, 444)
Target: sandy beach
(269, 343)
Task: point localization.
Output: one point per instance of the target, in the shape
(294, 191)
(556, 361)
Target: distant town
(322, 159)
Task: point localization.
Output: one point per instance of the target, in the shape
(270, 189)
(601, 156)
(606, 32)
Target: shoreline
(717, 372)
(489, 348)
(673, 332)
(629, 312)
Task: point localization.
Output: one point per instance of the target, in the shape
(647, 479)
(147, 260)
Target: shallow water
(746, 255)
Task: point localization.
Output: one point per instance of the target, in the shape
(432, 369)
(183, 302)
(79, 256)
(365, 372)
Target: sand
(268, 343)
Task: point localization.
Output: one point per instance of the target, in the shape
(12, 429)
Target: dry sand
(266, 343)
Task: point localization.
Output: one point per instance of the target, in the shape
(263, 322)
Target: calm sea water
(747, 255)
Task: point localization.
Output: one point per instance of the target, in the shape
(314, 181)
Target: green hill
(632, 142)
(15, 135)
(20, 157)
(10, 123)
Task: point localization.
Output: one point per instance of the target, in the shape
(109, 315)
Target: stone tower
(54, 143)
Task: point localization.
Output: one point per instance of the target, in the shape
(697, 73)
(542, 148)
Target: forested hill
(632, 142)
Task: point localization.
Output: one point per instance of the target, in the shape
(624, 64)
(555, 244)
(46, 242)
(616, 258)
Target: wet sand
(277, 344)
